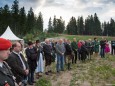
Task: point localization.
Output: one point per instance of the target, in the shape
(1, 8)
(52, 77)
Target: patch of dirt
(62, 79)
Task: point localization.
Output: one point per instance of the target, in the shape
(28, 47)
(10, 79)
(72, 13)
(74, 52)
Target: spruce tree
(30, 20)
(50, 27)
(40, 22)
(80, 24)
(72, 26)
(15, 17)
(22, 21)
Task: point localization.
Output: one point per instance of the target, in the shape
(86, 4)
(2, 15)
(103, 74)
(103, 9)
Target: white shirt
(1, 63)
(24, 67)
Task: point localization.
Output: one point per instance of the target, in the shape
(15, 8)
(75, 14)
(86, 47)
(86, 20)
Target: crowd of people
(22, 67)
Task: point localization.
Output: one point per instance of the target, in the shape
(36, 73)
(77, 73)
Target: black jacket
(102, 43)
(31, 55)
(6, 77)
(47, 49)
(16, 66)
(68, 49)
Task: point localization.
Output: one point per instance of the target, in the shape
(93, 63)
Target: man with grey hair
(47, 53)
(60, 50)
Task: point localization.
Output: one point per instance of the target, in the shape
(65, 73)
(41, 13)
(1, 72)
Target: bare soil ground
(96, 72)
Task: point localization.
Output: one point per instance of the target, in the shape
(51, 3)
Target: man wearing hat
(6, 76)
(31, 54)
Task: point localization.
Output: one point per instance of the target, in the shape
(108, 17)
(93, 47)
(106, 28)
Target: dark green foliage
(40, 22)
(22, 21)
(93, 25)
(43, 82)
(50, 27)
(72, 27)
(30, 20)
(15, 17)
(109, 28)
(80, 24)
(58, 25)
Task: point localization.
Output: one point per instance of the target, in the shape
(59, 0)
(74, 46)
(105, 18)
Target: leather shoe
(30, 83)
(34, 81)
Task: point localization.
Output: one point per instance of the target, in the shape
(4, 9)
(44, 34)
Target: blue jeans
(60, 63)
(102, 52)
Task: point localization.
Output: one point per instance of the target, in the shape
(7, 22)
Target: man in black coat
(18, 64)
(113, 47)
(6, 76)
(69, 53)
(31, 54)
(102, 45)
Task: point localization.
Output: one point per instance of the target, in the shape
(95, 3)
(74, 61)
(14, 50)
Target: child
(107, 49)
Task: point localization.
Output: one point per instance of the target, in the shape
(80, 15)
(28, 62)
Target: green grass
(43, 82)
(85, 37)
(95, 72)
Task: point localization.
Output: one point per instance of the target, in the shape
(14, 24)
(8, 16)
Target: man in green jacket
(74, 48)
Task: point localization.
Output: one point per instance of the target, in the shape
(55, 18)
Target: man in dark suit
(6, 76)
(68, 52)
(18, 64)
(113, 47)
(48, 56)
(31, 54)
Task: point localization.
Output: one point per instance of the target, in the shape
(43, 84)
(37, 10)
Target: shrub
(43, 82)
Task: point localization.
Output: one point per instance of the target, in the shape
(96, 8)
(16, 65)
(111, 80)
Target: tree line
(23, 23)
(20, 22)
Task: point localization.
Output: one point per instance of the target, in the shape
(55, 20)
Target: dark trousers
(31, 77)
(113, 50)
(102, 52)
(75, 52)
(83, 56)
(79, 55)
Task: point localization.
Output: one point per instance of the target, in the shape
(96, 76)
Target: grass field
(85, 37)
(96, 72)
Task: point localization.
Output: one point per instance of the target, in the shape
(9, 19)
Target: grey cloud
(53, 3)
(94, 9)
(49, 1)
(107, 1)
(84, 1)
(29, 3)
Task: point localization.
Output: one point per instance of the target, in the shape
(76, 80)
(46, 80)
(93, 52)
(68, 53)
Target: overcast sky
(105, 9)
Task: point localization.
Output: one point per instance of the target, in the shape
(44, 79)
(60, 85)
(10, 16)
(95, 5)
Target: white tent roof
(8, 34)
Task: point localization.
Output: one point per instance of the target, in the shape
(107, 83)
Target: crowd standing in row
(62, 52)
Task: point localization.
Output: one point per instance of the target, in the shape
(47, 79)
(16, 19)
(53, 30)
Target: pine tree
(80, 25)
(40, 22)
(50, 27)
(111, 30)
(54, 24)
(60, 25)
(72, 27)
(22, 21)
(89, 25)
(15, 17)
(30, 20)
(1, 20)
(5, 18)
(97, 25)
